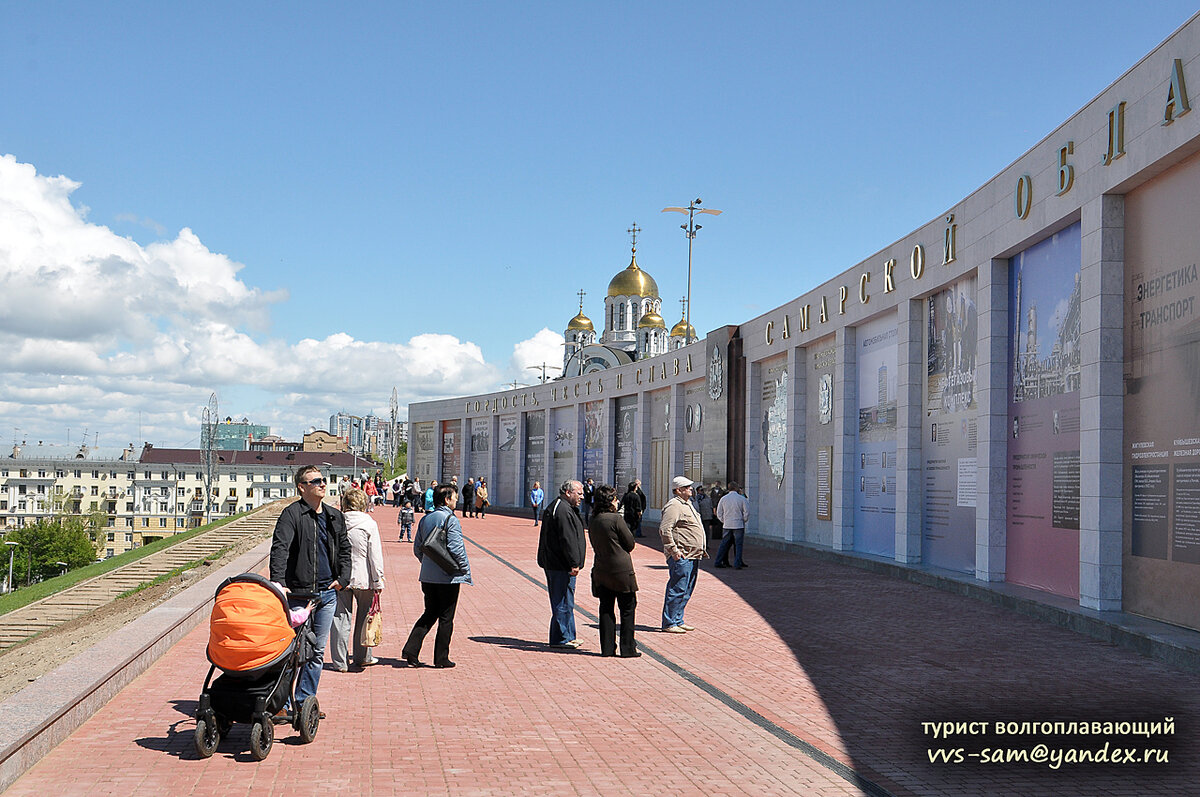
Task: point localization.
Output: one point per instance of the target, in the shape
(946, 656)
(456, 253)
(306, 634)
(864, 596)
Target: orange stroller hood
(250, 626)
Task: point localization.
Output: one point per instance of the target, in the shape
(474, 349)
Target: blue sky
(313, 203)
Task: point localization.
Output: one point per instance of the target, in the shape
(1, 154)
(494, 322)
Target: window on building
(179, 522)
(145, 522)
(95, 490)
(110, 553)
(78, 474)
(112, 522)
(112, 474)
(112, 536)
(130, 475)
(162, 522)
(129, 506)
(95, 474)
(41, 473)
(621, 317)
(128, 536)
(60, 474)
(4, 505)
(166, 475)
(128, 522)
(41, 489)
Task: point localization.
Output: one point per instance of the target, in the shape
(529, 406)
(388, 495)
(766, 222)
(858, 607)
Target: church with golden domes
(633, 326)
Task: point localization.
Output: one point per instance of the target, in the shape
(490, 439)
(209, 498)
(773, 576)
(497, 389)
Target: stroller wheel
(262, 736)
(309, 719)
(207, 737)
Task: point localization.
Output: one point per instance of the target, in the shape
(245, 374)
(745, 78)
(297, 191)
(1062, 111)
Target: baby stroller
(252, 642)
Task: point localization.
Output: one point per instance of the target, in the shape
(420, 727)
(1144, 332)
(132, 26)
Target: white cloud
(98, 331)
(544, 347)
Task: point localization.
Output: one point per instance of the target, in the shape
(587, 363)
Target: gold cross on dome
(633, 232)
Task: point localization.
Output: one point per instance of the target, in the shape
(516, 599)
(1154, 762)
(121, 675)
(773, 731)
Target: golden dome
(652, 319)
(683, 330)
(581, 322)
(633, 282)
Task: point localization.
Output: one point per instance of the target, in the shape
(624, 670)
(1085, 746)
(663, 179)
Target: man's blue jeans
(681, 580)
(322, 618)
(561, 586)
(733, 537)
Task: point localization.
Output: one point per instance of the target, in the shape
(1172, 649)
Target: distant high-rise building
(231, 435)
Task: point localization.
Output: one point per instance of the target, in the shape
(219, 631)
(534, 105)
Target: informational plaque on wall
(825, 483)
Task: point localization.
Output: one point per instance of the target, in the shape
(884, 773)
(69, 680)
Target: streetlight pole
(543, 368)
(12, 548)
(63, 565)
(690, 229)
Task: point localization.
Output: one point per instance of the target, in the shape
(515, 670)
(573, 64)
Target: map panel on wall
(593, 441)
(505, 489)
(625, 461)
(1043, 415)
(535, 453)
(1161, 411)
(424, 453)
(452, 447)
(773, 436)
(563, 442)
(875, 451)
(950, 442)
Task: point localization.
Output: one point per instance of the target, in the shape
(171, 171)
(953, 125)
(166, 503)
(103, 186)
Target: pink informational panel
(1043, 415)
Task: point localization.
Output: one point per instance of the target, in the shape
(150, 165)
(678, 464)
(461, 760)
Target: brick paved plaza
(803, 677)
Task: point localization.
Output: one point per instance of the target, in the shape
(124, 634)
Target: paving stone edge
(43, 714)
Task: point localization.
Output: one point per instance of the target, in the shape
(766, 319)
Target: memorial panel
(1043, 415)
(507, 489)
(1162, 413)
(821, 358)
(535, 454)
(452, 448)
(950, 441)
(875, 452)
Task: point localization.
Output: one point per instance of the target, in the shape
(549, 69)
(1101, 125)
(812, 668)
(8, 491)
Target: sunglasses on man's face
(317, 481)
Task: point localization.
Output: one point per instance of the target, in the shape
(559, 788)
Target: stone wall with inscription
(1037, 400)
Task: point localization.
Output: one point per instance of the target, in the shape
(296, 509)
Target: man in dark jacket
(561, 552)
(310, 555)
(468, 496)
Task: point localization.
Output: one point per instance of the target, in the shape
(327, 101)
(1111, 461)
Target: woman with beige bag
(366, 581)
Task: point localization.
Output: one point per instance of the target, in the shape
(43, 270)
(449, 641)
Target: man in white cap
(685, 545)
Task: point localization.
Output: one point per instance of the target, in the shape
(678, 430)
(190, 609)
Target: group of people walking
(332, 560)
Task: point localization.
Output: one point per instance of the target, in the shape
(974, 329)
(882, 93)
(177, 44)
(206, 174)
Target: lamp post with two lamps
(690, 229)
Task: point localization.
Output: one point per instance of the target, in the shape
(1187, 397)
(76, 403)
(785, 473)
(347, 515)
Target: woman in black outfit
(631, 506)
(613, 579)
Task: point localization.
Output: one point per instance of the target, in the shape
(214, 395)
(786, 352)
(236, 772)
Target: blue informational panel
(1043, 415)
(875, 453)
(950, 441)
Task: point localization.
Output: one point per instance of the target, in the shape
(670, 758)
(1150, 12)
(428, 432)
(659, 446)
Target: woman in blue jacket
(440, 588)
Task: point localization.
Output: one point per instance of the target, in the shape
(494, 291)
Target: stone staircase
(90, 595)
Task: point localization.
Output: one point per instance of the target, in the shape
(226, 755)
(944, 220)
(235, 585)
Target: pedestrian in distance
(734, 512)
(536, 496)
(481, 498)
(631, 508)
(406, 520)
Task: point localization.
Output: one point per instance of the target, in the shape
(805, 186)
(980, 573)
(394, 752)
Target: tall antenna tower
(208, 452)
(393, 438)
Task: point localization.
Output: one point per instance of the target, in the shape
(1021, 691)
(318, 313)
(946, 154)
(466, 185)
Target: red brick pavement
(845, 662)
